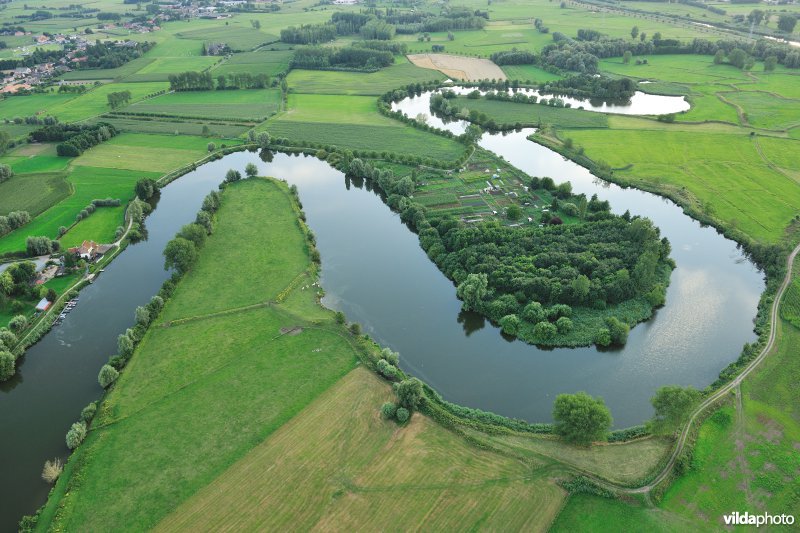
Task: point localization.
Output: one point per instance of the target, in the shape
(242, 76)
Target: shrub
(108, 375)
(88, 412)
(124, 345)
(618, 331)
(388, 410)
(142, 316)
(7, 362)
(355, 328)
(602, 337)
(580, 418)
(75, 435)
(564, 325)
(386, 369)
(52, 469)
(339, 317)
(510, 324)
(391, 357)
(7, 338)
(544, 330)
(402, 415)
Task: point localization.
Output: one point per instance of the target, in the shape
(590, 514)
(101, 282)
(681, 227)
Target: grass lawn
(359, 83)
(34, 104)
(533, 114)
(723, 171)
(88, 183)
(100, 226)
(529, 73)
(353, 122)
(764, 110)
(238, 38)
(252, 104)
(586, 512)
(166, 126)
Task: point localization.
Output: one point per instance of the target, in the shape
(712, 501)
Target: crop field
(351, 462)
(35, 104)
(88, 183)
(254, 104)
(353, 122)
(270, 63)
(169, 126)
(359, 83)
(459, 67)
(527, 73)
(534, 114)
(33, 193)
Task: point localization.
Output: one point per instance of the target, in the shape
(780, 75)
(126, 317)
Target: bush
(409, 393)
(402, 415)
(564, 325)
(355, 328)
(393, 358)
(7, 365)
(124, 345)
(510, 324)
(544, 330)
(108, 375)
(580, 418)
(75, 435)
(7, 338)
(52, 469)
(388, 410)
(386, 369)
(88, 412)
(618, 331)
(602, 337)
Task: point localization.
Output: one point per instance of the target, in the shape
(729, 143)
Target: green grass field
(357, 83)
(529, 73)
(167, 126)
(533, 114)
(35, 104)
(252, 104)
(353, 123)
(95, 102)
(238, 38)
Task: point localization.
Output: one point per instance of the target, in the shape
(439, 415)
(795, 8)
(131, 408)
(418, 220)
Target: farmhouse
(90, 250)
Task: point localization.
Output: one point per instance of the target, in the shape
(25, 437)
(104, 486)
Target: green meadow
(253, 104)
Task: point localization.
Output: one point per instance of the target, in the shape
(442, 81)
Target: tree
(719, 57)
(51, 470)
(75, 435)
(124, 345)
(409, 393)
(108, 375)
(472, 291)
(564, 325)
(263, 139)
(626, 57)
(180, 254)
(211, 147)
(755, 16)
(602, 337)
(533, 312)
(634, 32)
(87, 413)
(18, 323)
(581, 419)
(769, 63)
(737, 57)
(580, 287)
(510, 324)
(7, 362)
(195, 233)
(142, 316)
(544, 330)
(5, 173)
(514, 212)
(145, 188)
(672, 404)
(786, 23)
(233, 175)
(251, 170)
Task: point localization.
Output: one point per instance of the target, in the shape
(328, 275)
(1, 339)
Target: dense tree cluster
(394, 47)
(602, 87)
(118, 99)
(73, 139)
(309, 34)
(242, 80)
(344, 58)
(182, 251)
(452, 19)
(12, 221)
(514, 57)
(111, 55)
(191, 81)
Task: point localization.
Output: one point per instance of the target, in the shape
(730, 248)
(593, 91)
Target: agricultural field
(266, 62)
(249, 104)
(533, 114)
(95, 102)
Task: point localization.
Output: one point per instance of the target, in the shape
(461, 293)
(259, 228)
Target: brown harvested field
(338, 466)
(458, 67)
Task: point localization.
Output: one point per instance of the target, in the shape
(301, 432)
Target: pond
(375, 271)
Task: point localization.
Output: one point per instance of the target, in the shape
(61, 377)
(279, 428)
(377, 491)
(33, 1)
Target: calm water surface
(375, 271)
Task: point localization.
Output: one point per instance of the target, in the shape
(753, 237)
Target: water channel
(375, 271)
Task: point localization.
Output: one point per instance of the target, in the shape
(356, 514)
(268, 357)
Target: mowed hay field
(533, 114)
(353, 123)
(339, 466)
(173, 424)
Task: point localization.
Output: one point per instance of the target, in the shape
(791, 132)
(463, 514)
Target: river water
(375, 271)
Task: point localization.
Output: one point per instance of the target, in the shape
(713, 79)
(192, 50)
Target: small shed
(43, 305)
